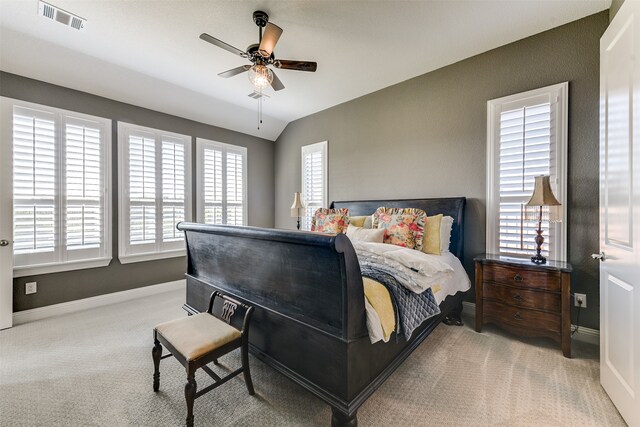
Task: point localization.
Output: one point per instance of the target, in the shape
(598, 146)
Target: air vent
(62, 16)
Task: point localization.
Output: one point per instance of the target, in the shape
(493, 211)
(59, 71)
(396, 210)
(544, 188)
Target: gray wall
(426, 137)
(615, 7)
(72, 285)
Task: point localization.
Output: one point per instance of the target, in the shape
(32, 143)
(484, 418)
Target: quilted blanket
(412, 308)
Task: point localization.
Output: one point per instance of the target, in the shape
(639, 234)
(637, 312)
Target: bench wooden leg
(190, 395)
(156, 353)
(245, 369)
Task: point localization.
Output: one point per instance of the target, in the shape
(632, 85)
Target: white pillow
(445, 233)
(359, 234)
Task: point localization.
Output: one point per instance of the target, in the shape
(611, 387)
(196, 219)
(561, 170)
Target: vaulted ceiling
(147, 52)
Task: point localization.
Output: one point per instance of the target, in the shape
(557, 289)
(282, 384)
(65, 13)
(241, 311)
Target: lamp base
(538, 259)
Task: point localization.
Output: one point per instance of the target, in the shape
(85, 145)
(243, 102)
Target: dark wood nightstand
(523, 298)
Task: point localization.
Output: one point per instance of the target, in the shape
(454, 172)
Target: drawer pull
(517, 316)
(517, 278)
(518, 298)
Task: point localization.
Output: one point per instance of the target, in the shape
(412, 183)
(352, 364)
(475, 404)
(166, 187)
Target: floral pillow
(403, 226)
(330, 220)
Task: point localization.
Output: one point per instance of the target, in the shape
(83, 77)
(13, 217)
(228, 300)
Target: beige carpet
(94, 368)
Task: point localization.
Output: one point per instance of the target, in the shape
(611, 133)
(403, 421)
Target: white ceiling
(147, 52)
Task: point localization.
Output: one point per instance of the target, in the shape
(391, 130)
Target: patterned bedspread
(412, 308)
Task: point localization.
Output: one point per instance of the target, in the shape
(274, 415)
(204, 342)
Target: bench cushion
(197, 335)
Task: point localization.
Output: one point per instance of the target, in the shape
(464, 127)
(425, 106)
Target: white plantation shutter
(60, 170)
(173, 189)
(221, 182)
(142, 189)
(154, 195)
(314, 180)
(527, 139)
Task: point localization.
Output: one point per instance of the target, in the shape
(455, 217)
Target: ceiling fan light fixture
(260, 76)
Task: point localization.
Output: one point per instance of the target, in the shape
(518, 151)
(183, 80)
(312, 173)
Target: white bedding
(444, 274)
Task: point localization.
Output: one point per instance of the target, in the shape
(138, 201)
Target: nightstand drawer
(518, 297)
(523, 277)
(522, 317)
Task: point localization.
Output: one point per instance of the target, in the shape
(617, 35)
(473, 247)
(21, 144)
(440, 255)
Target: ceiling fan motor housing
(260, 18)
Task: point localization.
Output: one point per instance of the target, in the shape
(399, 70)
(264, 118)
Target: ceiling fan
(261, 55)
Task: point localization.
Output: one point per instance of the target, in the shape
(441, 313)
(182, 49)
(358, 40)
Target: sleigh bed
(309, 321)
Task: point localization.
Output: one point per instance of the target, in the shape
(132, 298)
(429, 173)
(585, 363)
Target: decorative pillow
(358, 221)
(404, 227)
(368, 222)
(375, 235)
(332, 221)
(431, 238)
(445, 233)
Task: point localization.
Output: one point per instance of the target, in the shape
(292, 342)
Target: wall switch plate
(30, 288)
(578, 298)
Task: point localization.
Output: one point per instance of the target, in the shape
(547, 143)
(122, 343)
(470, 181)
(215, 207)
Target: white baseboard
(25, 316)
(588, 335)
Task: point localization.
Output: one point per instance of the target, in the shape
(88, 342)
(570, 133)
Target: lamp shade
(297, 204)
(542, 194)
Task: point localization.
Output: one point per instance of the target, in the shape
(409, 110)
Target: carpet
(94, 368)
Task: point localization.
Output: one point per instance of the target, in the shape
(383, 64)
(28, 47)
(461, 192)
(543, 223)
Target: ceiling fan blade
(276, 84)
(270, 37)
(234, 71)
(214, 41)
(286, 64)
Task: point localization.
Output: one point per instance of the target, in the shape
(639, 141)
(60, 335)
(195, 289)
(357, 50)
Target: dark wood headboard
(448, 206)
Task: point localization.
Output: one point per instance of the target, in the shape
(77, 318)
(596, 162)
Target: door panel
(620, 211)
(6, 217)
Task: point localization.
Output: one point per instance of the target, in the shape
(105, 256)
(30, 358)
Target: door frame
(6, 214)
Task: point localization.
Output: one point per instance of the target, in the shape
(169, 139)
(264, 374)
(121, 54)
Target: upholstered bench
(198, 340)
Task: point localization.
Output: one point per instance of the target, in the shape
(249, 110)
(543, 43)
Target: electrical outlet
(581, 300)
(30, 288)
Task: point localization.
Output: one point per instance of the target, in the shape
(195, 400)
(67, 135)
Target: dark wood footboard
(309, 321)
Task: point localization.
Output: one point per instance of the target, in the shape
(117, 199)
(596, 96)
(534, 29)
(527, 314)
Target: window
(527, 136)
(155, 175)
(314, 180)
(222, 183)
(61, 179)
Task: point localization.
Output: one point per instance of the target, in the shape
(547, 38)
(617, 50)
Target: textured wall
(72, 285)
(426, 137)
(615, 7)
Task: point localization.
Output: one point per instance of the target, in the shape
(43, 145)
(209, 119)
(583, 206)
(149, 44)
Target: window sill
(60, 267)
(129, 259)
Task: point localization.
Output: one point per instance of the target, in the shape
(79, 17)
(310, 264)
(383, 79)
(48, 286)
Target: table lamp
(542, 197)
(297, 208)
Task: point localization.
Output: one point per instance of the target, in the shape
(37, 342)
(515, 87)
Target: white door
(6, 219)
(620, 211)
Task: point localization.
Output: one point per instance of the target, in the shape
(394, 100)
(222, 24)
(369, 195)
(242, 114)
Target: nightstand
(523, 298)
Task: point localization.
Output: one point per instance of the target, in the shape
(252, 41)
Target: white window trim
(124, 253)
(561, 94)
(6, 112)
(322, 147)
(201, 144)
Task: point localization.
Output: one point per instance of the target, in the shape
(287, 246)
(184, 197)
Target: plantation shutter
(235, 192)
(155, 173)
(313, 180)
(84, 185)
(173, 190)
(525, 152)
(221, 178)
(527, 137)
(213, 186)
(35, 186)
(60, 197)
(142, 189)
